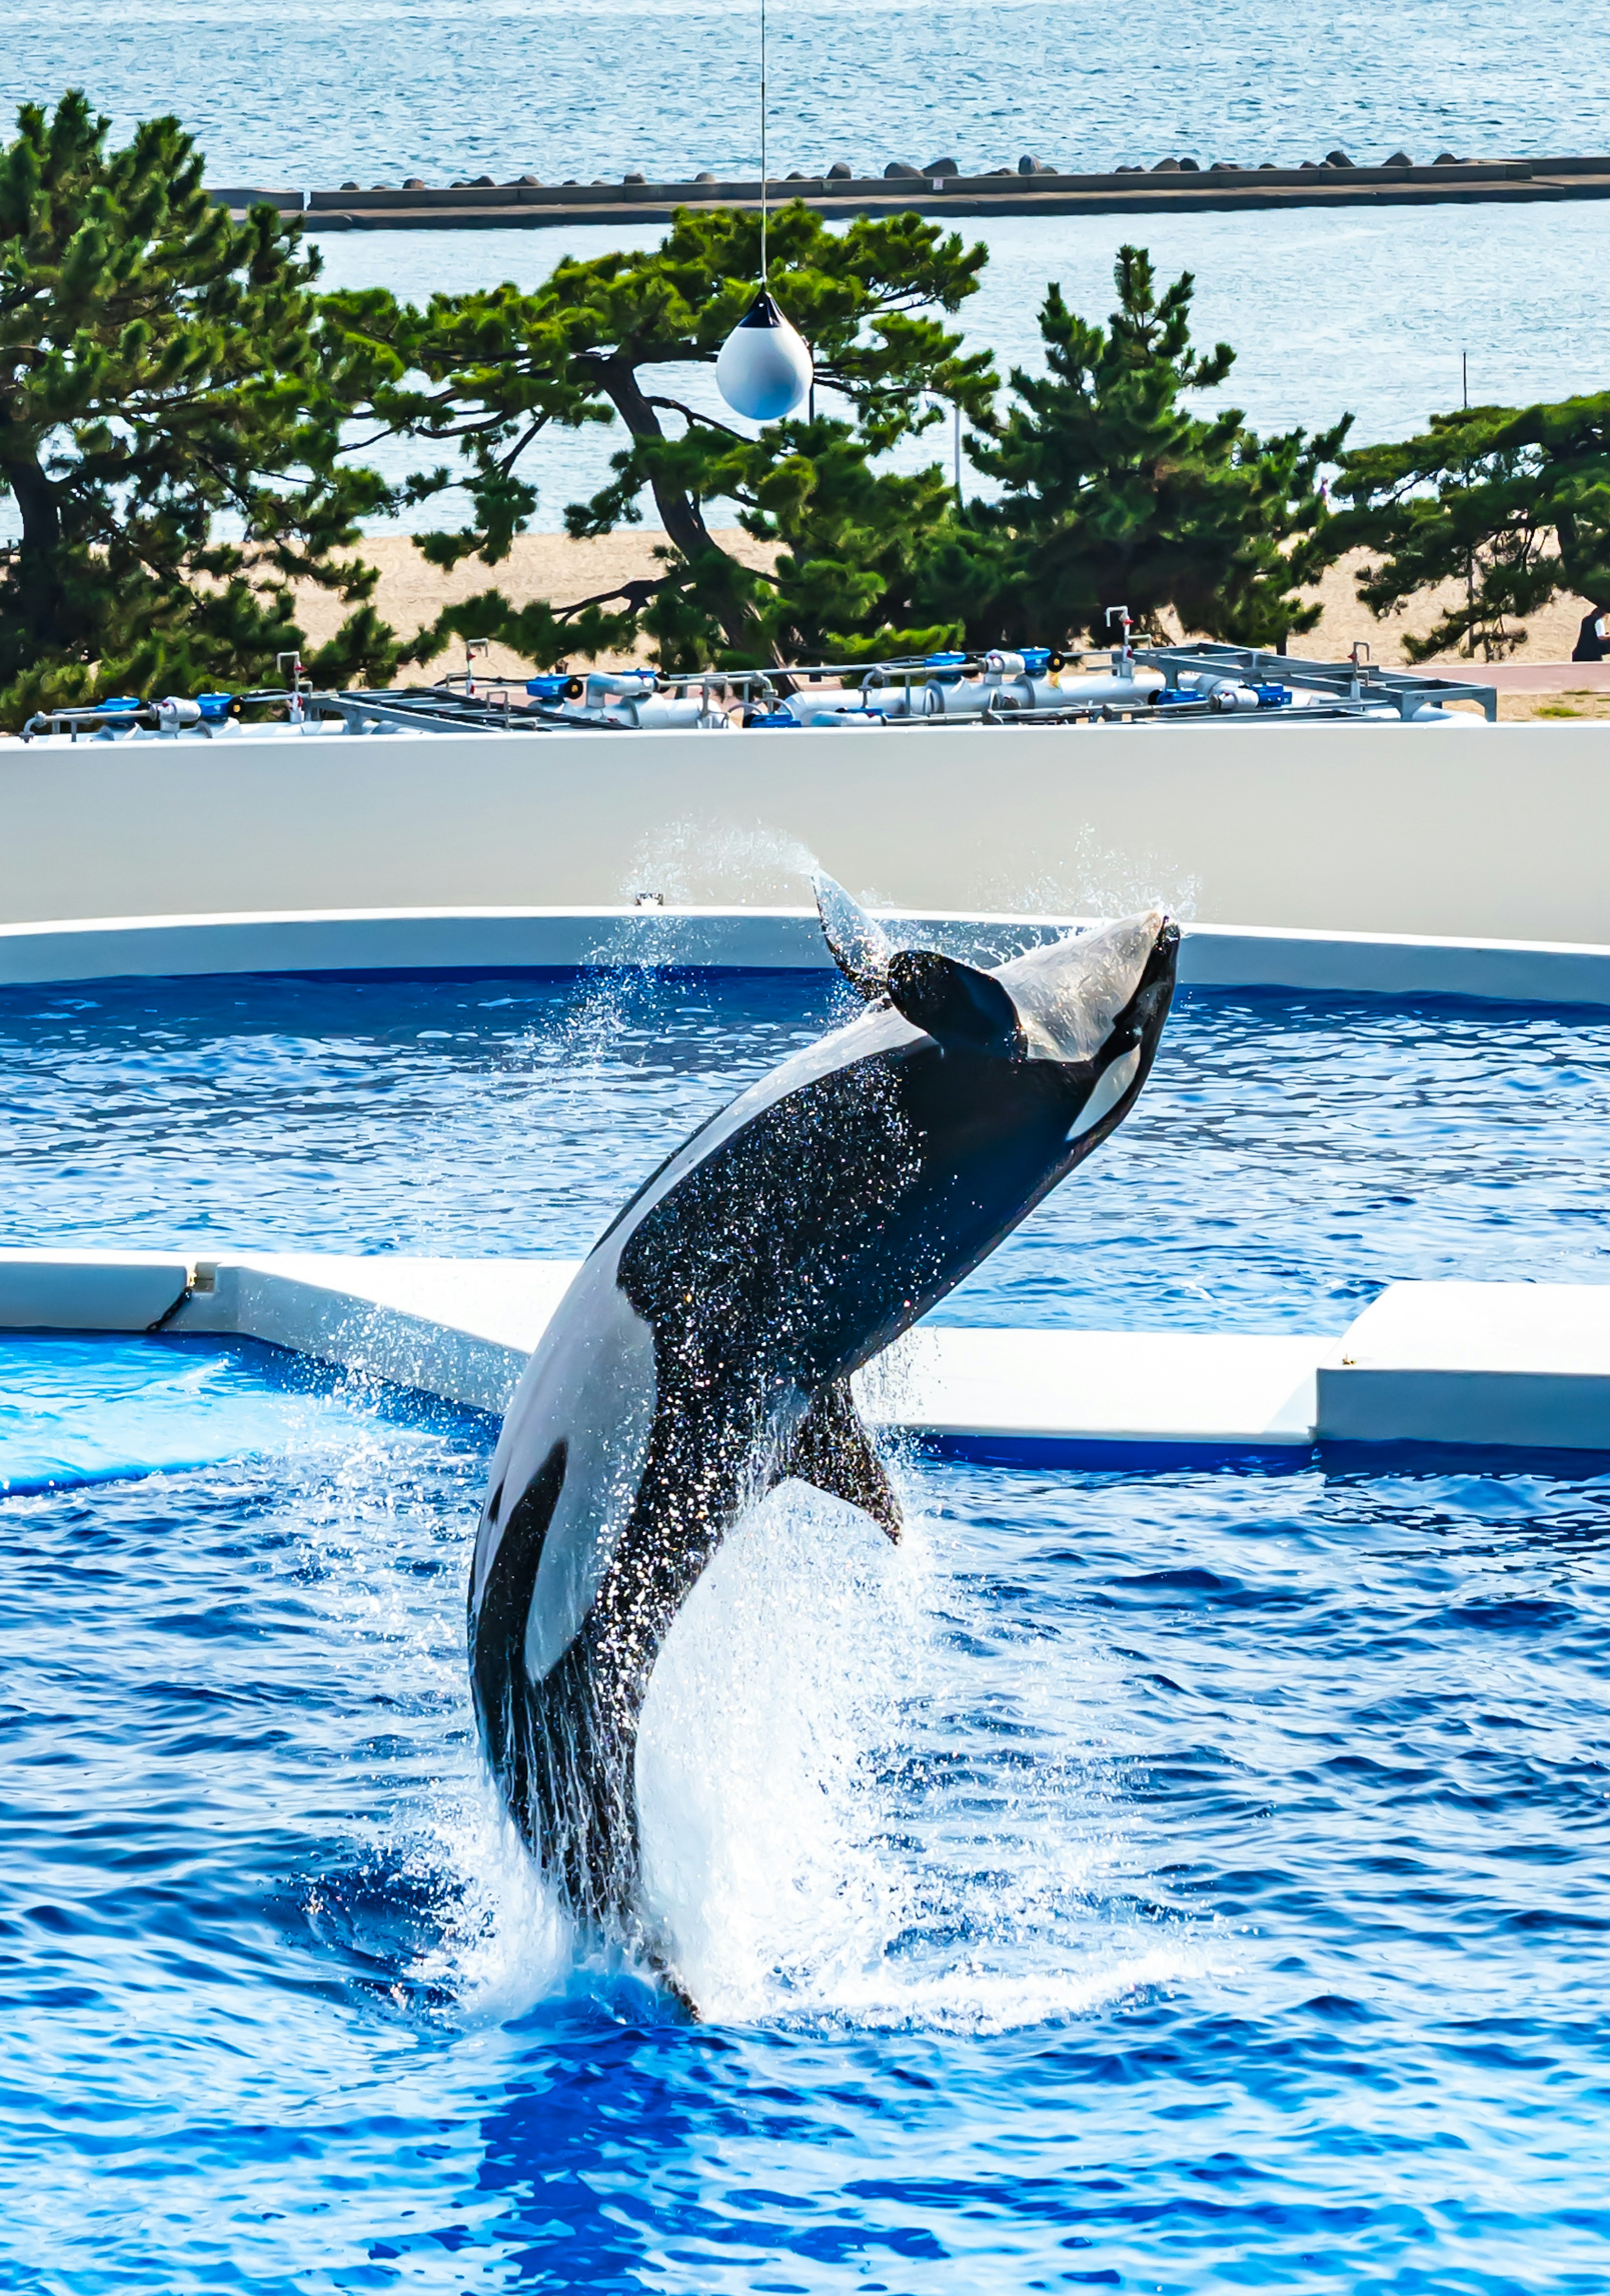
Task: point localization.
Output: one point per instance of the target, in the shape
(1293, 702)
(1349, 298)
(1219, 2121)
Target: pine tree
(170, 410)
(488, 373)
(1113, 493)
(1508, 505)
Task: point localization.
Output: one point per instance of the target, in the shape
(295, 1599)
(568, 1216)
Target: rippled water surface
(1181, 1882)
(314, 91)
(1200, 1886)
(1288, 1157)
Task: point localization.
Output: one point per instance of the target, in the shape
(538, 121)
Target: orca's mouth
(1159, 972)
(1156, 984)
(1140, 1023)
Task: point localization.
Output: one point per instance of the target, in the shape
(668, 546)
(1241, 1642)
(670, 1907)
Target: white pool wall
(1469, 832)
(469, 940)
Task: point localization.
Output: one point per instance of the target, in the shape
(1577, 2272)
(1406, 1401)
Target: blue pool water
(1181, 1882)
(89, 1409)
(1288, 1157)
(1202, 1887)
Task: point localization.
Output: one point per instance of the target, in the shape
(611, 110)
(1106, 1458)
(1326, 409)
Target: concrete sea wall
(939, 189)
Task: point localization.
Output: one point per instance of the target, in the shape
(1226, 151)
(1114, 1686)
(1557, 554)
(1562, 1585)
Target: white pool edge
(418, 940)
(1511, 1367)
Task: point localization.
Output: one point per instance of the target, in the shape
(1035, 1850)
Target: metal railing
(1159, 685)
(1355, 684)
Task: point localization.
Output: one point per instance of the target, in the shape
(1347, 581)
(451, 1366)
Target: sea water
(1368, 312)
(311, 92)
(1179, 1881)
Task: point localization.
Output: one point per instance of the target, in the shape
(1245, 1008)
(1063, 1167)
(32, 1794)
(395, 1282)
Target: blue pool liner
(96, 1407)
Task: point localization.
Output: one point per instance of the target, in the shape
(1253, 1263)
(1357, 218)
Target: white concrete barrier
(463, 1330)
(90, 1291)
(1138, 1391)
(1524, 1365)
(408, 941)
(1490, 833)
(1472, 1365)
(459, 1329)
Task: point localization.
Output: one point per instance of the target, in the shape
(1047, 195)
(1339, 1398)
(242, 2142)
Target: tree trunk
(683, 520)
(39, 575)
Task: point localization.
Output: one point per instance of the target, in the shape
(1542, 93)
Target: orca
(704, 1352)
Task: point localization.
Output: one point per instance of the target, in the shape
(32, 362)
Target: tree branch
(703, 422)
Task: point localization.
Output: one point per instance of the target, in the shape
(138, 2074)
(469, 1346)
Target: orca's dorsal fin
(961, 1008)
(861, 948)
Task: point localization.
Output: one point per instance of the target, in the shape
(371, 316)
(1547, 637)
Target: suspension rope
(764, 271)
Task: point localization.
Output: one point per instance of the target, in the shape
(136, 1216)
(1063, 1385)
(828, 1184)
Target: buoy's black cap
(762, 313)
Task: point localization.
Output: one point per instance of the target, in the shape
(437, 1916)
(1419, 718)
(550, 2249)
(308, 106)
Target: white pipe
(604, 682)
(1108, 685)
(657, 710)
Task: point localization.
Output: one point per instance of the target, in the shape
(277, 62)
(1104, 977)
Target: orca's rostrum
(705, 1350)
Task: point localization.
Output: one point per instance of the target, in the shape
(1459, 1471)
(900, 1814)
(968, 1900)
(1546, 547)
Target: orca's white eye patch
(1108, 1090)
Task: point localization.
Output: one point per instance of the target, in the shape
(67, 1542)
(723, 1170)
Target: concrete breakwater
(939, 188)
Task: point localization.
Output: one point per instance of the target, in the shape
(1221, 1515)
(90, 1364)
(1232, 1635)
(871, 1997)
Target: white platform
(1504, 1365)
(1134, 1391)
(1516, 1365)
(90, 1291)
(458, 1328)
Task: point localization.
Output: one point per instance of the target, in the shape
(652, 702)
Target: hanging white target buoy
(764, 368)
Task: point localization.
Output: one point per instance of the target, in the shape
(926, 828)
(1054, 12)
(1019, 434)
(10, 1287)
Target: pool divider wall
(91, 1290)
(1495, 1365)
(515, 940)
(1468, 1367)
(1467, 831)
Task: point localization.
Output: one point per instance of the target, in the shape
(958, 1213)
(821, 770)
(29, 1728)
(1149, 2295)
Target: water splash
(1092, 880)
(816, 1850)
(810, 1847)
(756, 1762)
(711, 860)
(503, 1943)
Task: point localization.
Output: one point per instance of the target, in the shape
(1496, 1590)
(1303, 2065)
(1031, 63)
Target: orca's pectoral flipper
(861, 948)
(832, 1450)
(955, 1004)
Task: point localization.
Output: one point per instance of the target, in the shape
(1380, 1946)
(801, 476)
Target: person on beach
(1592, 643)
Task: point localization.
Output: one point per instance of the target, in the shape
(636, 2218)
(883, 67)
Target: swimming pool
(1182, 1880)
(1290, 1155)
(1202, 1886)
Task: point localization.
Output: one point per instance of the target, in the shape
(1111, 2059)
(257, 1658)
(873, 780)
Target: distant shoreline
(1170, 187)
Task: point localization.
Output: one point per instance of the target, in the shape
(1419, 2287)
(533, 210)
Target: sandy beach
(411, 594)
(552, 566)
